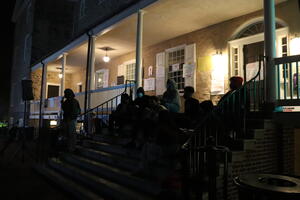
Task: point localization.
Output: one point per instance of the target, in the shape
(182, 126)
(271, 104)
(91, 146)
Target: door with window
(252, 53)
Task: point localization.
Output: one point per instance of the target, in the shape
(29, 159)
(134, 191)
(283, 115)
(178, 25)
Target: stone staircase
(100, 169)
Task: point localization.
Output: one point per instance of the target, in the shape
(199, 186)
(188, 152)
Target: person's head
(125, 98)
(188, 92)
(171, 85)
(140, 92)
(69, 94)
(235, 82)
(206, 106)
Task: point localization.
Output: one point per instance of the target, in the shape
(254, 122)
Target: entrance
(252, 53)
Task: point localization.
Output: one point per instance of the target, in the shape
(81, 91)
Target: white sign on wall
(149, 84)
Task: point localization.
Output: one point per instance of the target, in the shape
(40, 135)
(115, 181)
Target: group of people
(148, 118)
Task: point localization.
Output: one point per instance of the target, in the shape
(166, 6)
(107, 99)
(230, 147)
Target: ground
(18, 180)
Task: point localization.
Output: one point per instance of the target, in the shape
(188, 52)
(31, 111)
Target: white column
(270, 51)
(139, 50)
(91, 85)
(62, 80)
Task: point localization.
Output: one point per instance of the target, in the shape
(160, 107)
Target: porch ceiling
(167, 19)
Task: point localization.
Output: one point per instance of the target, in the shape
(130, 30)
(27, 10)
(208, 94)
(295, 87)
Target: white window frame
(239, 43)
(54, 84)
(167, 51)
(96, 80)
(129, 62)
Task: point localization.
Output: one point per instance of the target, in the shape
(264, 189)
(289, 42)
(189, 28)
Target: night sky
(6, 57)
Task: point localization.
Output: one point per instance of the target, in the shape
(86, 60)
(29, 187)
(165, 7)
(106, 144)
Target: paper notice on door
(160, 86)
(252, 70)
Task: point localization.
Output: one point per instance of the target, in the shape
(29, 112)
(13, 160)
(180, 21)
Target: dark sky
(6, 57)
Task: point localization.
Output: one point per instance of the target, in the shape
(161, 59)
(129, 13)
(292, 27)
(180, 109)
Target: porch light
(60, 75)
(53, 123)
(295, 46)
(106, 58)
(99, 80)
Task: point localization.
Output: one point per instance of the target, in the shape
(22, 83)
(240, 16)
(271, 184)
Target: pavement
(18, 180)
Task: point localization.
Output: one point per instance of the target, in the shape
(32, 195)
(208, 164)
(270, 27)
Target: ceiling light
(106, 59)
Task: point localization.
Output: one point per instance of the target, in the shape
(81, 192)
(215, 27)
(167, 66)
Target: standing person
(191, 107)
(171, 99)
(71, 110)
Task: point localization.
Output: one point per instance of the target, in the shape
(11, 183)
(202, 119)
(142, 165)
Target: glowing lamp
(106, 59)
(60, 75)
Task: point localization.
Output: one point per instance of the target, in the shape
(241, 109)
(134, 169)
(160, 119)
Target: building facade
(194, 44)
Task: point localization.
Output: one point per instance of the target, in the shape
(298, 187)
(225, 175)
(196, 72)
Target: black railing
(224, 125)
(103, 110)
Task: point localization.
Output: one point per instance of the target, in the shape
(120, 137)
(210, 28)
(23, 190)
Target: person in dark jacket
(71, 110)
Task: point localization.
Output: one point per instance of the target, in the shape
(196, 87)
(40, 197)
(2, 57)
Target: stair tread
(101, 181)
(72, 188)
(155, 187)
(108, 154)
(116, 149)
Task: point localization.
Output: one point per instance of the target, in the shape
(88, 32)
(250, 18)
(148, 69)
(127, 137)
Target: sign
(150, 71)
(149, 84)
(287, 109)
(175, 67)
(252, 70)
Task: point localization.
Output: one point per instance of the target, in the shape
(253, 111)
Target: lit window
(99, 79)
(130, 71)
(175, 61)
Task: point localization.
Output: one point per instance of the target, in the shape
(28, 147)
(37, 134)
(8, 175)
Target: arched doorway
(247, 45)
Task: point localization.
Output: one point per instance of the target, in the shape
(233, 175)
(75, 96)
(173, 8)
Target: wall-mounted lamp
(106, 58)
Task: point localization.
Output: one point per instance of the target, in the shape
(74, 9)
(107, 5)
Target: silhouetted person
(141, 100)
(191, 105)
(71, 110)
(171, 99)
(235, 83)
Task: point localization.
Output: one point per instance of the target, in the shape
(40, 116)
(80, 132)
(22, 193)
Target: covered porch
(199, 45)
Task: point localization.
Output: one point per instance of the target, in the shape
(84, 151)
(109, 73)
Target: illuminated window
(130, 71)
(99, 79)
(175, 61)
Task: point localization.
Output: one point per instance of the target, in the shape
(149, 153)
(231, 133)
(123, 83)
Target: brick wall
(264, 158)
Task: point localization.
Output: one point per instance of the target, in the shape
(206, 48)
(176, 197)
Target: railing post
(270, 52)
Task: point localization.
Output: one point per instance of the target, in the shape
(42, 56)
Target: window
(99, 79)
(284, 52)
(82, 9)
(52, 90)
(175, 61)
(235, 61)
(284, 46)
(130, 71)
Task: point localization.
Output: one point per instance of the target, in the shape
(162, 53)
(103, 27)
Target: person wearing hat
(71, 110)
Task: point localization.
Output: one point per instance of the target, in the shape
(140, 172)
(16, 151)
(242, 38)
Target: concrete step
(107, 188)
(108, 158)
(111, 139)
(77, 191)
(113, 174)
(114, 149)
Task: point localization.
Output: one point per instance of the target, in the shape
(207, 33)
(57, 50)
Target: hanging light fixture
(106, 58)
(60, 75)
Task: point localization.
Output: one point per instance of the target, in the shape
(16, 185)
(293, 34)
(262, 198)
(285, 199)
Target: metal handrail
(211, 127)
